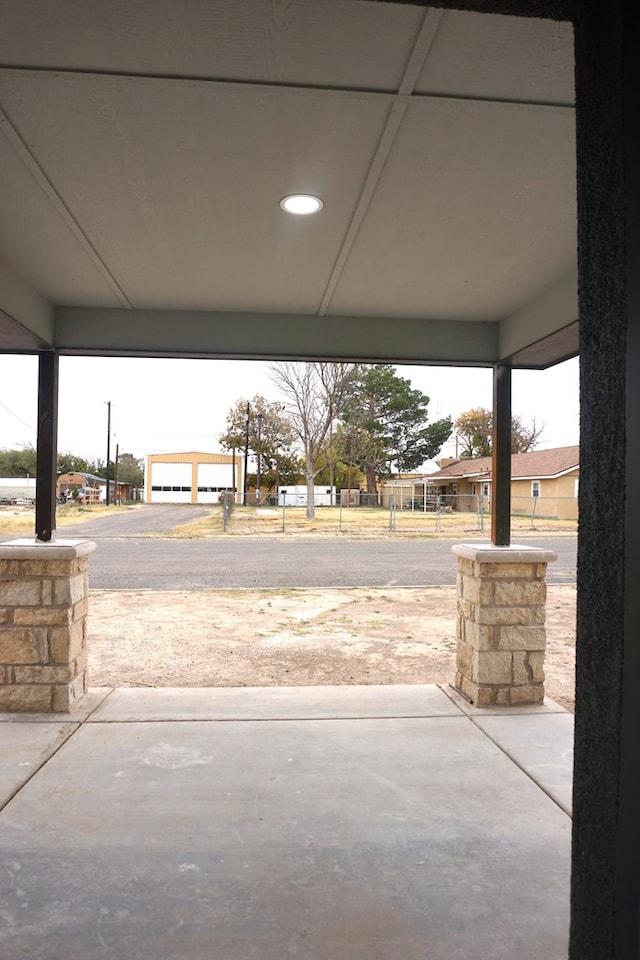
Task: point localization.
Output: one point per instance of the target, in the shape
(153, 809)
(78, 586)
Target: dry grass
(355, 522)
(22, 519)
(363, 522)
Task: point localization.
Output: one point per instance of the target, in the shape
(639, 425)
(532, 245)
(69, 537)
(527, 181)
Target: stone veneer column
(500, 630)
(43, 612)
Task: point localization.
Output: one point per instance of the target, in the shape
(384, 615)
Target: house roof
(145, 149)
(85, 476)
(538, 464)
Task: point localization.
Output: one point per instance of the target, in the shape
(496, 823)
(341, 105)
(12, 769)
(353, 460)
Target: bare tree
(315, 394)
(524, 438)
(474, 429)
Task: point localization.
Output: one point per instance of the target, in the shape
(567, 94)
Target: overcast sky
(172, 405)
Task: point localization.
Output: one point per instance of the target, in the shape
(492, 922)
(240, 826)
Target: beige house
(543, 483)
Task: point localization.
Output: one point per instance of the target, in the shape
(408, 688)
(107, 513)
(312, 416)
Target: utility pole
(258, 457)
(246, 455)
(108, 403)
(115, 478)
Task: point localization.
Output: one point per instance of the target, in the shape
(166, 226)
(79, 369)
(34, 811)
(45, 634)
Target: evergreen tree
(385, 425)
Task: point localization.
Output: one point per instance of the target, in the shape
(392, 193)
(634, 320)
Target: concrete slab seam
(262, 719)
(67, 733)
(517, 763)
(69, 730)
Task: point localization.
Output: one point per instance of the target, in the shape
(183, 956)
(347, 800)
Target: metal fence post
(227, 502)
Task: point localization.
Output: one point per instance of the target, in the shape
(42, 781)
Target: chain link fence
(416, 515)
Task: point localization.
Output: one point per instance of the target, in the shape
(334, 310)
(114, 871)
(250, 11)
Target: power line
(177, 436)
(24, 424)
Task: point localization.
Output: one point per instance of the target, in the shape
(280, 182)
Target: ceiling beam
(546, 352)
(87, 331)
(554, 309)
(26, 318)
(15, 338)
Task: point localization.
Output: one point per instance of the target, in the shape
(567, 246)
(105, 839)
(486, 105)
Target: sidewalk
(328, 823)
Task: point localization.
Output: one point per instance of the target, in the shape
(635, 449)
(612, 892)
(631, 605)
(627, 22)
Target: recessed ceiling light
(301, 203)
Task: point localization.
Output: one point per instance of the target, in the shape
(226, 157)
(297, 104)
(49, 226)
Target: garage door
(213, 478)
(170, 483)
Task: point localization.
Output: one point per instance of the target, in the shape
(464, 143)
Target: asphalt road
(123, 560)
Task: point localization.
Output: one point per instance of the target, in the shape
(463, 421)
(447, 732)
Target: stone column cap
(29, 548)
(516, 553)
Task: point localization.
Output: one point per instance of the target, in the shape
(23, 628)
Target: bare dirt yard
(297, 638)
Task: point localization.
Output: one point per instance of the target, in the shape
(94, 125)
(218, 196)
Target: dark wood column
(47, 453)
(605, 895)
(501, 457)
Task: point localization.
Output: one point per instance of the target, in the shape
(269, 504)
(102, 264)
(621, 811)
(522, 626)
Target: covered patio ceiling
(146, 146)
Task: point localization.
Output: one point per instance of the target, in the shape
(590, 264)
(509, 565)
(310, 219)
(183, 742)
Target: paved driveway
(143, 520)
(126, 559)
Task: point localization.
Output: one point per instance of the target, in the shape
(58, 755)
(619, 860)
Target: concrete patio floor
(325, 823)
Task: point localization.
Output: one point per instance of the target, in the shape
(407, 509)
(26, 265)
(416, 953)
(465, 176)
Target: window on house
(485, 489)
(474, 489)
(535, 488)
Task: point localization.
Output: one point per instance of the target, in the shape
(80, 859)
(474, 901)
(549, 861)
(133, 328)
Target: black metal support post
(47, 445)
(501, 457)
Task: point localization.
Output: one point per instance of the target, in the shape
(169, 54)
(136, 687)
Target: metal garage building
(192, 477)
